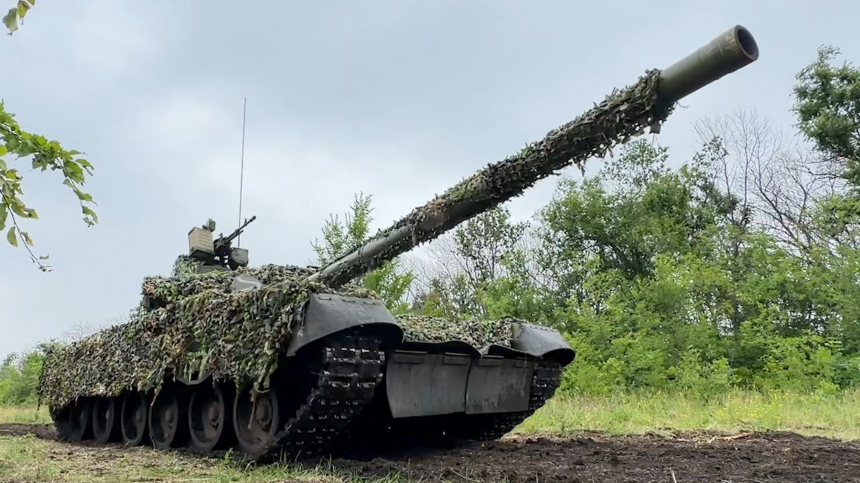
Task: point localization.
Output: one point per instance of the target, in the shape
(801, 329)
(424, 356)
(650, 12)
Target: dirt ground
(595, 457)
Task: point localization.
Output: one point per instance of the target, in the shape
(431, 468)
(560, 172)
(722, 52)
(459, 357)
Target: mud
(595, 457)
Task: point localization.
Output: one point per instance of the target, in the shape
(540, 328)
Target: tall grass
(26, 414)
(835, 415)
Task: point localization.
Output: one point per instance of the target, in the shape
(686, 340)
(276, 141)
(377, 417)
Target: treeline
(738, 268)
(19, 377)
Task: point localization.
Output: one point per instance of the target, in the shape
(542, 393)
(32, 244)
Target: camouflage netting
(476, 332)
(200, 322)
(184, 282)
(623, 114)
(237, 335)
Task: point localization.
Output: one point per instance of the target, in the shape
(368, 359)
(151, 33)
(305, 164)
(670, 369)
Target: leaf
(18, 208)
(89, 212)
(11, 20)
(10, 237)
(27, 239)
(23, 8)
(3, 150)
(83, 196)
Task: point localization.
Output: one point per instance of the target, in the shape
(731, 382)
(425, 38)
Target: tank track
(545, 381)
(348, 368)
(351, 369)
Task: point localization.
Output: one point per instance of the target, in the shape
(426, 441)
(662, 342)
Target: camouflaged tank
(288, 359)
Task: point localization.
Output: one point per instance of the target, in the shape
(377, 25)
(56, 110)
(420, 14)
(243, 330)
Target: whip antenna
(242, 168)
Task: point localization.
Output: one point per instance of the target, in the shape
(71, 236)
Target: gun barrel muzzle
(728, 52)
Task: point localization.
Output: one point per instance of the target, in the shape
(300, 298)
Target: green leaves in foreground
(44, 154)
(10, 20)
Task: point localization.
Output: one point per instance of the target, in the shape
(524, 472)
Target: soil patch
(597, 457)
(44, 431)
(784, 457)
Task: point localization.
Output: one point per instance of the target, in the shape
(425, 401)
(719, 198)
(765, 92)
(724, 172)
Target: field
(740, 437)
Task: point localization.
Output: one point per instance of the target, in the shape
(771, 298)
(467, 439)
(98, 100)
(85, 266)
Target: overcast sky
(398, 99)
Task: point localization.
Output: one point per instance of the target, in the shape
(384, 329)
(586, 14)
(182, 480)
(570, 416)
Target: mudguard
(326, 314)
(542, 342)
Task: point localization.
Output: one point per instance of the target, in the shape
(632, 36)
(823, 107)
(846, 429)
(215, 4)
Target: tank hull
(349, 377)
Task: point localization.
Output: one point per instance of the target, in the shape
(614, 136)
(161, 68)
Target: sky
(398, 99)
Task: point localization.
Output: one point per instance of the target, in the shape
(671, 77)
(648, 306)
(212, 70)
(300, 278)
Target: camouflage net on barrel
(236, 335)
(623, 114)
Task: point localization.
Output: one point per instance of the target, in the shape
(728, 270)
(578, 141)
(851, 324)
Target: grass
(24, 414)
(30, 459)
(835, 416)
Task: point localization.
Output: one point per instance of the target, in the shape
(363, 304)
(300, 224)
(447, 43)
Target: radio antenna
(242, 169)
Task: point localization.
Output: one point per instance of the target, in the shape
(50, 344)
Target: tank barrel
(733, 49)
(622, 115)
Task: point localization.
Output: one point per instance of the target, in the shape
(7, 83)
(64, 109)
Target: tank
(298, 360)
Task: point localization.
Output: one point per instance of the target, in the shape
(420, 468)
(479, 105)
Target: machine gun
(217, 254)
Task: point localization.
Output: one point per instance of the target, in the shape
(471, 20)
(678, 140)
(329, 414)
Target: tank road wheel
(132, 418)
(210, 416)
(256, 422)
(167, 426)
(74, 423)
(106, 420)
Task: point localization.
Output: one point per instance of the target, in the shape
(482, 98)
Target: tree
(827, 104)
(342, 236)
(466, 261)
(16, 145)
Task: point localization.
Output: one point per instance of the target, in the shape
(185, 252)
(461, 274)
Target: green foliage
(44, 154)
(19, 376)
(340, 237)
(828, 110)
(661, 280)
(16, 13)
(483, 261)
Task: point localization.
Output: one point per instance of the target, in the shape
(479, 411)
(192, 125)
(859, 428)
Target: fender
(542, 342)
(326, 314)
